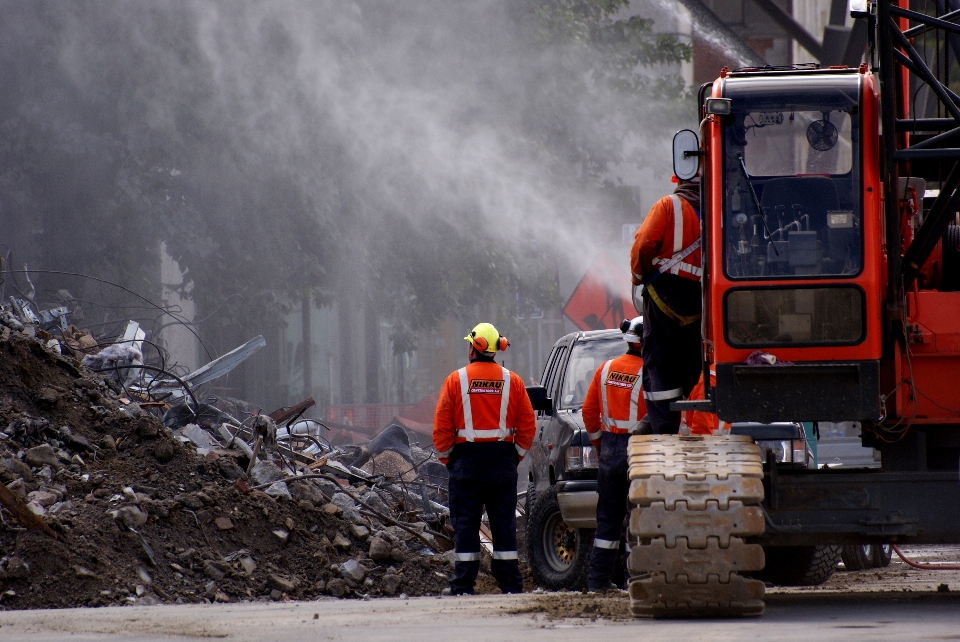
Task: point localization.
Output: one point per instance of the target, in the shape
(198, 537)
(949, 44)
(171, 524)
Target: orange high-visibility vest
(671, 227)
(614, 401)
(483, 402)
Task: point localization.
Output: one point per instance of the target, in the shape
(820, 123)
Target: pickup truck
(561, 494)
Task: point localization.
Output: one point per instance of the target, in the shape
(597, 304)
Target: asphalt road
(895, 603)
(479, 618)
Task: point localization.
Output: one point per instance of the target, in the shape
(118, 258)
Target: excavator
(831, 293)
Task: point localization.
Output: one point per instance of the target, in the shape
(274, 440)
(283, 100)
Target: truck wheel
(880, 555)
(857, 557)
(530, 499)
(800, 565)
(558, 555)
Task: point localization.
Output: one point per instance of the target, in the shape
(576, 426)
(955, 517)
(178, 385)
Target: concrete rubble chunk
(200, 437)
(340, 542)
(17, 467)
(278, 489)
(352, 570)
(332, 509)
(18, 569)
(359, 531)
(223, 523)
(282, 535)
(337, 588)
(390, 583)
(381, 550)
(376, 502)
(43, 455)
(144, 575)
(305, 491)
(249, 566)
(42, 497)
(265, 472)
(83, 572)
(346, 503)
(36, 509)
(280, 583)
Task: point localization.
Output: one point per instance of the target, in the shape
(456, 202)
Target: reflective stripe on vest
(605, 419)
(678, 266)
(469, 432)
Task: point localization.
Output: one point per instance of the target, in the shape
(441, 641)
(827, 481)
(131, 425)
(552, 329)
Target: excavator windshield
(792, 211)
(795, 210)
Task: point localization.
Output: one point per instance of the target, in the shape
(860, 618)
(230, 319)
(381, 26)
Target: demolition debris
(122, 486)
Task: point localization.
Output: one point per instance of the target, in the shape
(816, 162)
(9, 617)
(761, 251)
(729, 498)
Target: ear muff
(479, 342)
(625, 326)
(502, 344)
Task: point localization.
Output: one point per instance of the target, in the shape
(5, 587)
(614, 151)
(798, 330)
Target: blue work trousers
(613, 486)
(484, 475)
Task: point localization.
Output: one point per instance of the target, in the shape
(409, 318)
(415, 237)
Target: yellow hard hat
(485, 338)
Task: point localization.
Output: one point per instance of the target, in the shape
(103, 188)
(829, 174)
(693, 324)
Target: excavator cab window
(793, 208)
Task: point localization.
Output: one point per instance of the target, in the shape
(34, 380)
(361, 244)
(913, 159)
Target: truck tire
(881, 555)
(530, 499)
(800, 565)
(857, 557)
(558, 555)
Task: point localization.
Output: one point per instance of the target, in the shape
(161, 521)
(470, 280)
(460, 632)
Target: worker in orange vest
(701, 422)
(665, 261)
(483, 426)
(612, 410)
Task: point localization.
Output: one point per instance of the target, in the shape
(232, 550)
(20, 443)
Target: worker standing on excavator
(483, 426)
(665, 260)
(612, 410)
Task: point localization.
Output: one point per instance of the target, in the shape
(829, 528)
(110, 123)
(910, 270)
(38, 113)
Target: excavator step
(695, 500)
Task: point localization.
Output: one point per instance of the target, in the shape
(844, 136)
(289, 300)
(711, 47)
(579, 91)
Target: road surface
(896, 603)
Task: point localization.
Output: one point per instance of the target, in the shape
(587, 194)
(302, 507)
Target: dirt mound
(609, 605)
(141, 517)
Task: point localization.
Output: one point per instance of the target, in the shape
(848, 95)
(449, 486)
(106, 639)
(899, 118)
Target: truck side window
(553, 370)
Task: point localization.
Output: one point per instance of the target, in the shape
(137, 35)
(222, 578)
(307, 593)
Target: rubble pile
(110, 505)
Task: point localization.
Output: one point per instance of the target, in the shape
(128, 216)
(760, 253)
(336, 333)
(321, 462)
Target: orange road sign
(602, 298)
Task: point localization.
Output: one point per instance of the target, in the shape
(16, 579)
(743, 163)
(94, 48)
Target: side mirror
(539, 399)
(686, 154)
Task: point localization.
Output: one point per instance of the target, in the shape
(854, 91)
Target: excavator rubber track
(695, 499)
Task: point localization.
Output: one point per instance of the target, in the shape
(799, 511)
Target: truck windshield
(585, 358)
(795, 211)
